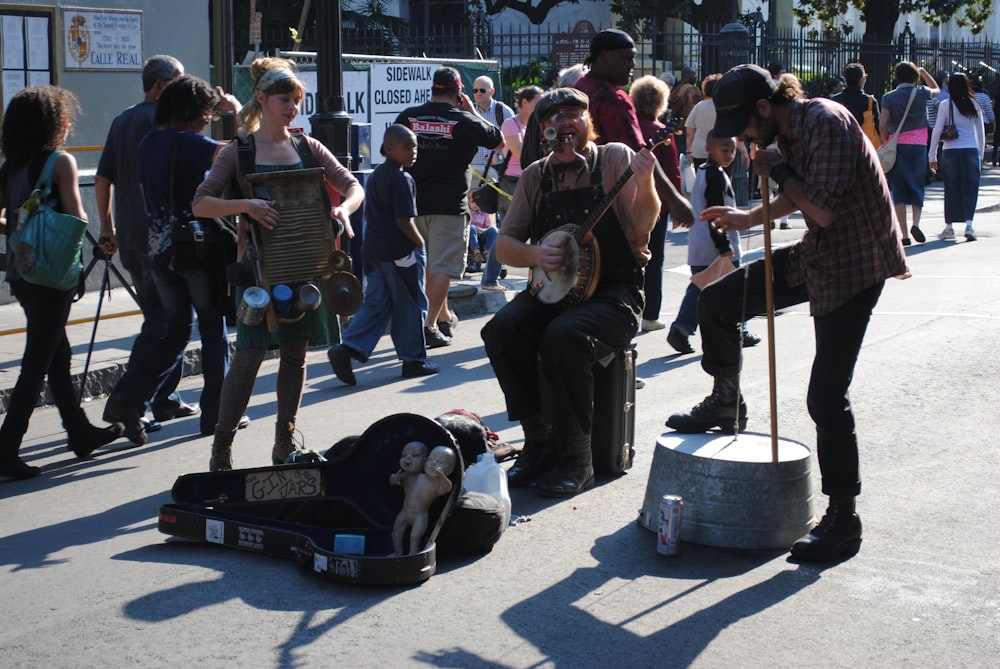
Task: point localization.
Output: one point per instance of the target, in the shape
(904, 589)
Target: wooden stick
(765, 197)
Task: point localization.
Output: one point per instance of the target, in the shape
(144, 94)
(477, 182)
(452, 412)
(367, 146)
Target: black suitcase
(333, 517)
(613, 432)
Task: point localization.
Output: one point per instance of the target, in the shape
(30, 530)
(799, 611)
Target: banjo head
(552, 287)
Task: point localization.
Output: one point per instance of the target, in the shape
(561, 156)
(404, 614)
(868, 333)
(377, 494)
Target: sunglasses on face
(480, 90)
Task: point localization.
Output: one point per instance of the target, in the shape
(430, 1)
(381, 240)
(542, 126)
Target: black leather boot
(536, 458)
(85, 438)
(717, 410)
(118, 410)
(13, 467)
(837, 536)
(575, 471)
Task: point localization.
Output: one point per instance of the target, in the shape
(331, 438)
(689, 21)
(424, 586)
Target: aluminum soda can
(668, 536)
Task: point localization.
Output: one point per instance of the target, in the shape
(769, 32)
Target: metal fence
(526, 54)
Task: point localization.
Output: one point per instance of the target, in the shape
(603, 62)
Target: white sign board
(394, 87)
(102, 40)
(355, 98)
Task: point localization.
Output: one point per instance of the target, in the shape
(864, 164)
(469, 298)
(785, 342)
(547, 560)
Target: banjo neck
(582, 232)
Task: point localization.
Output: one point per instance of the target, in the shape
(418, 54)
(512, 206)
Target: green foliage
(826, 17)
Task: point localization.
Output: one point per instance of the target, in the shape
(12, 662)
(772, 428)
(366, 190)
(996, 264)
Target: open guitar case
(333, 517)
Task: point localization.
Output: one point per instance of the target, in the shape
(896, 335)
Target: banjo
(577, 280)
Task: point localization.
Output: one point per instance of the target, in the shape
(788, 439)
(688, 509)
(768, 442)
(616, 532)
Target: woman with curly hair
(35, 125)
(265, 121)
(961, 157)
(649, 95)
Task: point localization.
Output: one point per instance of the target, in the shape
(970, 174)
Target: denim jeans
(491, 273)
(394, 296)
(46, 353)
(687, 315)
(961, 184)
(177, 293)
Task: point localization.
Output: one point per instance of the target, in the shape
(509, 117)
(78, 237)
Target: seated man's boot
(724, 409)
(837, 536)
(536, 458)
(284, 442)
(575, 471)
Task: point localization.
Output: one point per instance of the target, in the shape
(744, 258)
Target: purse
(887, 152)
(949, 131)
(47, 243)
(487, 193)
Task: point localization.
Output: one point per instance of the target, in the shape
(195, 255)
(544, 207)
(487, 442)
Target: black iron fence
(526, 54)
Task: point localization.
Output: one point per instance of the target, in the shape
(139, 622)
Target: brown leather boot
(574, 473)
(222, 455)
(284, 442)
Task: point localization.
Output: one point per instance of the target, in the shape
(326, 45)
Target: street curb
(465, 298)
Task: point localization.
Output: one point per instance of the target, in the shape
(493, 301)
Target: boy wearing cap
(542, 353)
(830, 173)
(449, 133)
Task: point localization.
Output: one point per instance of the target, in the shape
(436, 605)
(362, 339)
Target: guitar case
(613, 433)
(332, 517)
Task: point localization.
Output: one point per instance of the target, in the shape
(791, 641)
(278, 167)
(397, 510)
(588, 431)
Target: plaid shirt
(840, 170)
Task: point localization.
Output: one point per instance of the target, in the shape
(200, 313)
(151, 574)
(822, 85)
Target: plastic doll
(424, 478)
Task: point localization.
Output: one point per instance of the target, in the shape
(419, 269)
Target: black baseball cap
(560, 97)
(736, 97)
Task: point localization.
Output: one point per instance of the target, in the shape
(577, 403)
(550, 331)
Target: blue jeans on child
(394, 296)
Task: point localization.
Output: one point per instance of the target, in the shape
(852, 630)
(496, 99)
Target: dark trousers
(838, 341)
(543, 356)
(153, 329)
(46, 353)
(653, 279)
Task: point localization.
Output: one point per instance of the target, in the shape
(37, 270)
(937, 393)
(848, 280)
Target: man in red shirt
(613, 116)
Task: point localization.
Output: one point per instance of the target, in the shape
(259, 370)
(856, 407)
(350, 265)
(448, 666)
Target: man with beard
(542, 352)
(827, 171)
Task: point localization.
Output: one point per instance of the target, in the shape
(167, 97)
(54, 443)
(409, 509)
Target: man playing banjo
(586, 285)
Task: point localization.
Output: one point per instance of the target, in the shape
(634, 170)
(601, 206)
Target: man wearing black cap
(612, 112)
(830, 173)
(543, 348)
(449, 133)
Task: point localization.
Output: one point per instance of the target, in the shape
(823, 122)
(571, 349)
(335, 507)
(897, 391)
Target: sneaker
(906, 241)
(650, 326)
(784, 226)
(435, 338)
(679, 341)
(182, 410)
(970, 236)
(449, 326)
(493, 286)
(947, 234)
(918, 234)
(750, 339)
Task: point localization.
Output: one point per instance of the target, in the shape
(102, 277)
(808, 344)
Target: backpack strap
(302, 148)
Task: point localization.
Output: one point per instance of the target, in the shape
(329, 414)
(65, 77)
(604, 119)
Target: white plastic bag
(687, 173)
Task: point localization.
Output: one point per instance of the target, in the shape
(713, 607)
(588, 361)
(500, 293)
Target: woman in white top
(961, 157)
